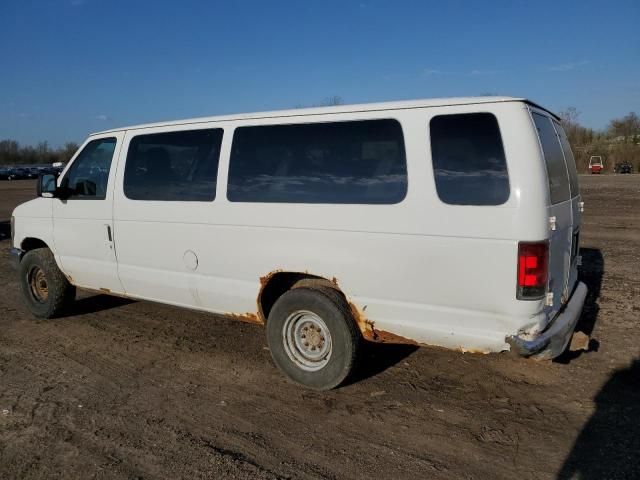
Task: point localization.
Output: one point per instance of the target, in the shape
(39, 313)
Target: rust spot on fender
(265, 279)
(383, 336)
(248, 317)
(106, 291)
(474, 350)
(366, 326)
(371, 333)
(263, 282)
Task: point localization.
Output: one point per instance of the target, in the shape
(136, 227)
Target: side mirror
(47, 185)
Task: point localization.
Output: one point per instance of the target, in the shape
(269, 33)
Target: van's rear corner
(549, 295)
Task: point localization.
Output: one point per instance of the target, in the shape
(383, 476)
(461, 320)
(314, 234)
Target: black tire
(345, 339)
(39, 273)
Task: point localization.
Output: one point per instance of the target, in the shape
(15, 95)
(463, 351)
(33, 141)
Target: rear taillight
(533, 266)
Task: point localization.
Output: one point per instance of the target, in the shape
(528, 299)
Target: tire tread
(61, 292)
(334, 374)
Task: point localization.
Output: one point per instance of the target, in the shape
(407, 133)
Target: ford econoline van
(451, 222)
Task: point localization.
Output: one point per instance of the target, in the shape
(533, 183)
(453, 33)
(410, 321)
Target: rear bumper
(15, 255)
(553, 341)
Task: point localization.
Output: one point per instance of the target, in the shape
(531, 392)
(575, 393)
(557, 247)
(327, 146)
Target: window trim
(544, 157)
(75, 160)
(216, 186)
(570, 173)
(506, 163)
(322, 122)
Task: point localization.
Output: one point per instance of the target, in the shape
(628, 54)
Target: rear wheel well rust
(277, 283)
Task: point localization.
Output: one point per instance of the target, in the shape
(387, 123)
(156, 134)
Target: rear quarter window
(569, 159)
(468, 157)
(559, 189)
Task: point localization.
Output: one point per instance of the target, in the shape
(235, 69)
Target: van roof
(365, 107)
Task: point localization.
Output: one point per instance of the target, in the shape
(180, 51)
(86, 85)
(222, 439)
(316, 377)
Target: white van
(451, 222)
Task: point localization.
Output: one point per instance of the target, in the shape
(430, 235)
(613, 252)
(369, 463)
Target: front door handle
(109, 239)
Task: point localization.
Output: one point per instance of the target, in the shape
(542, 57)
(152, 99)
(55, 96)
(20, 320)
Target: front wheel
(313, 338)
(46, 290)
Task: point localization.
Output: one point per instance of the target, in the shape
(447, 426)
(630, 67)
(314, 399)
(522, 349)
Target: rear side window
(570, 161)
(559, 189)
(173, 166)
(360, 162)
(468, 159)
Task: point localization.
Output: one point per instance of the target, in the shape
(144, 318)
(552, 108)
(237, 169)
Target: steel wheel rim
(307, 340)
(38, 284)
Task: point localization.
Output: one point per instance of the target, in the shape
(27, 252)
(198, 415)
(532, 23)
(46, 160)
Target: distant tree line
(620, 141)
(332, 101)
(12, 153)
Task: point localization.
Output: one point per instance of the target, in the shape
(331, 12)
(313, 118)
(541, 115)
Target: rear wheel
(313, 338)
(46, 290)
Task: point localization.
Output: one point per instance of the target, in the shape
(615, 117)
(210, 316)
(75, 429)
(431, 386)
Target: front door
(83, 222)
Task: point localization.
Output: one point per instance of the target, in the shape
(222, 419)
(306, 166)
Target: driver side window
(88, 175)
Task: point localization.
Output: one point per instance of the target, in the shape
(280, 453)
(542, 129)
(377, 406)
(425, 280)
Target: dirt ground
(123, 389)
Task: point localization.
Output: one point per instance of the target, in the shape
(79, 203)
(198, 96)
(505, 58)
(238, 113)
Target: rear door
(560, 213)
(575, 203)
(164, 200)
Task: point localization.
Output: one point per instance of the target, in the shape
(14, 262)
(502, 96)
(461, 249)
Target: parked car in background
(57, 168)
(14, 172)
(8, 173)
(32, 172)
(18, 173)
(49, 170)
(623, 167)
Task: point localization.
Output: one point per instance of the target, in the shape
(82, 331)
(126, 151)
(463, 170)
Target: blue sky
(70, 67)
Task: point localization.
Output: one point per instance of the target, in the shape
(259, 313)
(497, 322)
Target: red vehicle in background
(595, 164)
